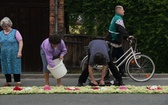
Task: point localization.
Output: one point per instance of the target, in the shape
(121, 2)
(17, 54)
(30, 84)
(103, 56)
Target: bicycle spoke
(146, 70)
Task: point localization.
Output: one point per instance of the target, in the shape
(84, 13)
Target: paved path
(72, 79)
(85, 99)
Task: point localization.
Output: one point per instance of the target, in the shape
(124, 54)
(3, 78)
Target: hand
(61, 58)
(102, 82)
(130, 37)
(19, 55)
(94, 82)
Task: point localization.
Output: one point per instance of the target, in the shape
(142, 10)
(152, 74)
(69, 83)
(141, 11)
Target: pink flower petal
(122, 88)
(47, 87)
(71, 88)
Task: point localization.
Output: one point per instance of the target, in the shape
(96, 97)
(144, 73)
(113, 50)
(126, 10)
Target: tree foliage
(147, 20)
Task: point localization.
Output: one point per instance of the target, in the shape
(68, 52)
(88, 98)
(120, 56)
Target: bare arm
(20, 49)
(91, 75)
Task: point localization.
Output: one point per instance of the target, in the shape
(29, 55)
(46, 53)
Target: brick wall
(61, 16)
(56, 18)
(52, 18)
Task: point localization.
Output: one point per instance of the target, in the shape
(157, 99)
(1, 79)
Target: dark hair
(99, 58)
(54, 39)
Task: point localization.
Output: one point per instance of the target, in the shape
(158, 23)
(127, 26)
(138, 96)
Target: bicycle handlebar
(132, 41)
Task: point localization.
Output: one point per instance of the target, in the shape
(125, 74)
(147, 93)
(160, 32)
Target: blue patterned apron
(10, 63)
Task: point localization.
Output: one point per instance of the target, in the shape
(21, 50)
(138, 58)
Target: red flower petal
(17, 88)
(95, 88)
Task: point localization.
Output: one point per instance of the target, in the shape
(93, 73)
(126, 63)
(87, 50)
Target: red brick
(53, 16)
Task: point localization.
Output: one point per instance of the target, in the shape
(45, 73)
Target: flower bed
(86, 90)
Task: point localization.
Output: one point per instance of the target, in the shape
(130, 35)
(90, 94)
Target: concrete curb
(42, 76)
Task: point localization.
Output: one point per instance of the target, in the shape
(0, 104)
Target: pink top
(18, 36)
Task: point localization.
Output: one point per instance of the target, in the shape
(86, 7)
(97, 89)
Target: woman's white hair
(6, 21)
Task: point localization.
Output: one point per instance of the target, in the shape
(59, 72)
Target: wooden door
(31, 18)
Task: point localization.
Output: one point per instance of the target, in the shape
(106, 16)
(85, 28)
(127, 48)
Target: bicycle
(139, 67)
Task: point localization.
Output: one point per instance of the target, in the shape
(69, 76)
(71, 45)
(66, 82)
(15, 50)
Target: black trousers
(112, 67)
(83, 77)
(9, 77)
(117, 53)
(85, 73)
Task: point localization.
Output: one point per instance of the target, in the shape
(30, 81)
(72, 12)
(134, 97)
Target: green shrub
(147, 20)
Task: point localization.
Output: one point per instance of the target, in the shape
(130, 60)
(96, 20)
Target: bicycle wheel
(96, 69)
(142, 73)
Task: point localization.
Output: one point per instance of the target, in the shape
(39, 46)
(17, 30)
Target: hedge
(147, 20)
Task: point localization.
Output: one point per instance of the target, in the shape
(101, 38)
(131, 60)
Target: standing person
(117, 32)
(52, 48)
(98, 53)
(11, 52)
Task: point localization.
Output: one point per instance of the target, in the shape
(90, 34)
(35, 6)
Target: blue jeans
(44, 61)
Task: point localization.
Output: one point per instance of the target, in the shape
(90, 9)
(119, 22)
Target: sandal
(59, 85)
(7, 84)
(18, 84)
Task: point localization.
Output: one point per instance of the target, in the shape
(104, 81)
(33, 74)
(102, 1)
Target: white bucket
(59, 70)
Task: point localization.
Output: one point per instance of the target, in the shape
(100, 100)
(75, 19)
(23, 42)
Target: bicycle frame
(130, 55)
(130, 52)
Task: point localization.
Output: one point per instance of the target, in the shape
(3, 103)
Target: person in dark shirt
(98, 53)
